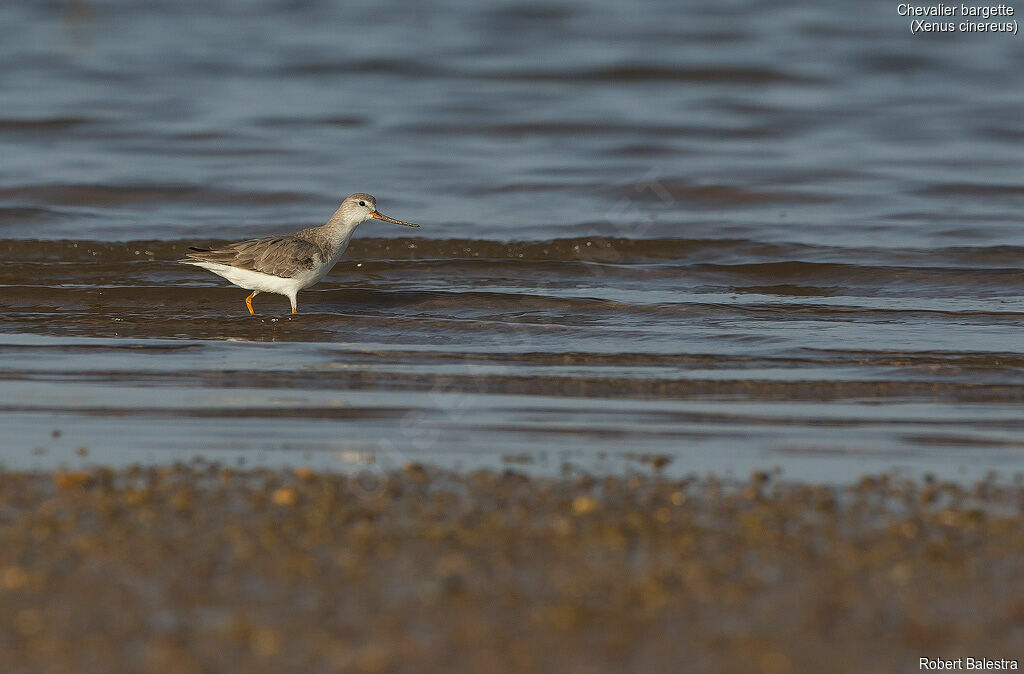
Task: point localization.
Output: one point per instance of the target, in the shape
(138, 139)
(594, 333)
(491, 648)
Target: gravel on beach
(205, 568)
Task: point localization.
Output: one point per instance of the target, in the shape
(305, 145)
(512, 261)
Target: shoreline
(205, 567)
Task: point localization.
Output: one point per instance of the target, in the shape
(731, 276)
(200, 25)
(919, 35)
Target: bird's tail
(191, 256)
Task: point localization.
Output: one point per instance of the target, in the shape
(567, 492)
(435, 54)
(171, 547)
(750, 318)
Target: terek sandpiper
(287, 264)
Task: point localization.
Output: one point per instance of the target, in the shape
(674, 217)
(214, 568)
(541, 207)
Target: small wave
(619, 74)
(972, 190)
(780, 261)
(298, 121)
(23, 214)
(117, 195)
(652, 73)
(407, 68)
(665, 189)
(42, 125)
(580, 249)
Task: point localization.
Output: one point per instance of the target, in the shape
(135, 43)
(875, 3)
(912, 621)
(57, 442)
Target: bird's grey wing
(284, 256)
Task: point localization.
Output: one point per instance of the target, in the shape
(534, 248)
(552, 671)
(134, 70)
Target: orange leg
(248, 302)
(295, 310)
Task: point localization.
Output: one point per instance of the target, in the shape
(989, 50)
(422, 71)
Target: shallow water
(754, 235)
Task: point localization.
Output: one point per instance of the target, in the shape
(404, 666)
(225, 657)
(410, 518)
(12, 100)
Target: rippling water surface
(738, 236)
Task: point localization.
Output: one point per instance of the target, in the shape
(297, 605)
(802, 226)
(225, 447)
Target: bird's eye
(362, 203)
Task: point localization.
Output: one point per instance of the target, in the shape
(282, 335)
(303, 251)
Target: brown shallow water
(721, 355)
(204, 568)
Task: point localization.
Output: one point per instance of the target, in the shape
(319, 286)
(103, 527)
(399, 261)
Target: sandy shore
(203, 568)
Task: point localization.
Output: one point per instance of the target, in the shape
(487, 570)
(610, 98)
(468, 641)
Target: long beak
(381, 216)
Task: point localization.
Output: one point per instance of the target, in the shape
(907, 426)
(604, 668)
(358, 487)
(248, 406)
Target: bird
(289, 263)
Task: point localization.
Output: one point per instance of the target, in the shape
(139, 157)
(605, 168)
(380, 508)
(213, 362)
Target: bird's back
(284, 256)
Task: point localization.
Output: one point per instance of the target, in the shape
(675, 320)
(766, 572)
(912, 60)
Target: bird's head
(361, 207)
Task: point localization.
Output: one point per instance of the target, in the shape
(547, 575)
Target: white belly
(265, 283)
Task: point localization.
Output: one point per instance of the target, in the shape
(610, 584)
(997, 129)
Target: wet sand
(205, 568)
